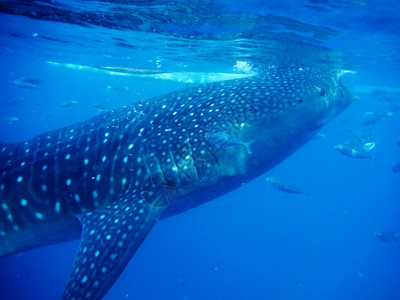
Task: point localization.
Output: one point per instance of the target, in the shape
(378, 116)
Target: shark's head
(289, 95)
(334, 96)
(284, 108)
(319, 95)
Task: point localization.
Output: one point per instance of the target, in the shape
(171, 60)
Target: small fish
(386, 114)
(353, 152)
(10, 120)
(100, 106)
(398, 142)
(25, 85)
(31, 80)
(387, 236)
(68, 103)
(379, 93)
(285, 186)
(396, 168)
(225, 139)
(370, 118)
(119, 88)
(319, 135)
(14, 100)
(345, 120)
(393, 107)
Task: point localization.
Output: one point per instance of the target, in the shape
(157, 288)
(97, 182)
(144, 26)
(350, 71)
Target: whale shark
(108, 180)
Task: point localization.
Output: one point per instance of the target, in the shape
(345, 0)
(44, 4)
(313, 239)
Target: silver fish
(396, 168)
(23, 84)
(370, 118)
(387, 236)
(100, 106)
(14, 100)
(31, 80)
(353, 152)
(10, 120)
(319, 135)
(286, 186)
(68, 103)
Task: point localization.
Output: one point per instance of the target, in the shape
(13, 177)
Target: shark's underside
(109, 179)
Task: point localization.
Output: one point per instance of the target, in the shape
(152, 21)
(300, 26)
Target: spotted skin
(109, 179)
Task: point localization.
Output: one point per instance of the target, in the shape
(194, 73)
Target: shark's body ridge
(120, 172)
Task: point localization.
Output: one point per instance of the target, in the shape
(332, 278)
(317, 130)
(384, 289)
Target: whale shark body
(109, 179)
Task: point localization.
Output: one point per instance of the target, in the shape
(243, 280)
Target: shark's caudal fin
(110, 237)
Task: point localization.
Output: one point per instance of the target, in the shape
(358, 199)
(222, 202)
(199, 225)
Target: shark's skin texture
(109, 179)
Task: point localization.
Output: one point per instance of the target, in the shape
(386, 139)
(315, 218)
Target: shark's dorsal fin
(110, 237)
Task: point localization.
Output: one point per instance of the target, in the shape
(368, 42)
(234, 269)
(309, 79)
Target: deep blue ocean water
(255, 242)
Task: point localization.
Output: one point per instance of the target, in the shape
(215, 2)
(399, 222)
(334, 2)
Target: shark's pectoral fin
(110, 237)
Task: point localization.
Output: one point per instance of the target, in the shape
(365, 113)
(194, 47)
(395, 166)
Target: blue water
(255, 242)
